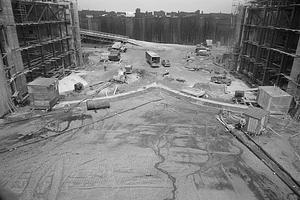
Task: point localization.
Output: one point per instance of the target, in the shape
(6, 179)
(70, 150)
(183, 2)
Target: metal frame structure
(270, 36)
(47, 40)
(43, 30)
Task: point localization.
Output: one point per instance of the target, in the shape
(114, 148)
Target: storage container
(256, 120)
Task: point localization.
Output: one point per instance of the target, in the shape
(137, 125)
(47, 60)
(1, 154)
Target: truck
(221, 80)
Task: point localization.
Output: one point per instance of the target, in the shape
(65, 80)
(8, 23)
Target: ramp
(102, 36)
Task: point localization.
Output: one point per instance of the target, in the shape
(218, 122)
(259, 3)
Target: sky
(207, 6)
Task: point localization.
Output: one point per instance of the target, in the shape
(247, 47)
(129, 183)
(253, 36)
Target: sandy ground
(167, 149)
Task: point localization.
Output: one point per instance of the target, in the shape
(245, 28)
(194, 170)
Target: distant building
(172, 14)
(138, 12)
(112, 14)
(159, 13)
(121, 14)
(148, 14)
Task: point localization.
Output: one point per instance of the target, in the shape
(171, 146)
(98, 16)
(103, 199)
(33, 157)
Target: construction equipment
(119, 46)
(201, 50)
(239, 97)
(78, 87)
(114, 55)
(221, 80)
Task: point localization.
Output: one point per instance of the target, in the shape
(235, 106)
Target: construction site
(98, 104)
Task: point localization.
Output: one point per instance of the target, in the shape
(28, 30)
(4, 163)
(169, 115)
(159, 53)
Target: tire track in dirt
(172, 178)
(56, 180)
(38, 174)
(157, 151)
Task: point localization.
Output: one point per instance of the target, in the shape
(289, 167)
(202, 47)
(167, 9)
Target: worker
(105, 68)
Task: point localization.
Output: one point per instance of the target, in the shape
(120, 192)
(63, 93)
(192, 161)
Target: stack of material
(274, 100)
(43, 93)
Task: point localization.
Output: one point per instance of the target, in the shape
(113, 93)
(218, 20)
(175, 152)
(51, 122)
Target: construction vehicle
(221, 80)
(119, 46)
(239, 97)
(114, 55)
(201, 50)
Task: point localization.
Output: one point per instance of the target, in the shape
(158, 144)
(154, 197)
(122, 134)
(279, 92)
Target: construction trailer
(256, 120)
(37, 39)
(274, 100)
(152, 58)
(269, 44)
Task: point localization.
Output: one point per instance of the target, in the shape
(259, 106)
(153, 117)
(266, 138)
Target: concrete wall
(76, 32)
(4, 94)
(295, 74)
(182, 30)
(10, 45)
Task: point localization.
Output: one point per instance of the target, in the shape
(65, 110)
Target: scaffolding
(44, 35)
(40, 38)
(270, 35)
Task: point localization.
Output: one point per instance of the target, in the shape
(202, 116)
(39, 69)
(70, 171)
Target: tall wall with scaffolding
(270, 45)
(37, 38)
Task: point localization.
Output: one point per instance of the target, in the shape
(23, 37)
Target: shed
(256, 120)
(43, 92)
(274, 100)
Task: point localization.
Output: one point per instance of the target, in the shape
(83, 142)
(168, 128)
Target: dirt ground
(283, 143)
(150, 146)
(143, 74)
